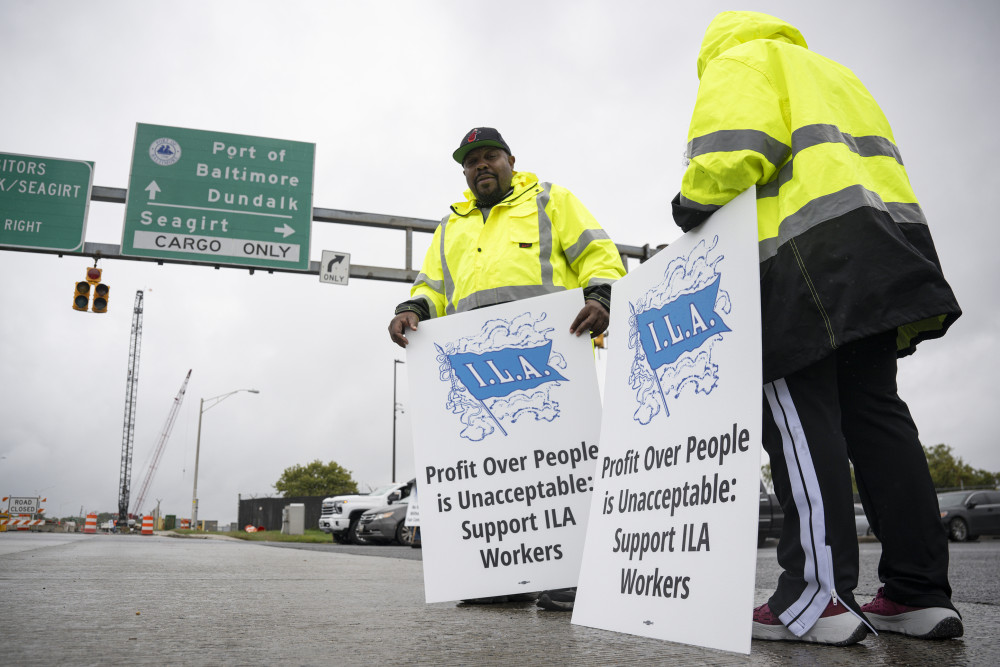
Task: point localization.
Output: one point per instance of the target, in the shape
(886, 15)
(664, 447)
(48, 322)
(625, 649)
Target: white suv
(340, 514)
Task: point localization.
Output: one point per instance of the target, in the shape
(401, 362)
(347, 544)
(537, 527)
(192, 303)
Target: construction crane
(131, 391)
(164, 436)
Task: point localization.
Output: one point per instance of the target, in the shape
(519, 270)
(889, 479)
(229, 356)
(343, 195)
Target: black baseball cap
(476, 137)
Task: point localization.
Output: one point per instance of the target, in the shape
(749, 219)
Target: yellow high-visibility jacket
(845, 250)
(540, 239)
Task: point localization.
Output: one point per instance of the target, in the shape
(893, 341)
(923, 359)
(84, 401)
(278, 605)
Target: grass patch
(311, 536)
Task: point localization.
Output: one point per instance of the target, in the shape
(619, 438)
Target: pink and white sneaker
(920, 622)
(836, 626)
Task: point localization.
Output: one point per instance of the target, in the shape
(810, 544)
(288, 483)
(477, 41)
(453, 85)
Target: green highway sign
(44, 201)
(219, 198)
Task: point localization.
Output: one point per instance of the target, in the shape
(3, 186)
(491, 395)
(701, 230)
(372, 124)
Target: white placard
(506, 415)
(671, 544)
(412, 510)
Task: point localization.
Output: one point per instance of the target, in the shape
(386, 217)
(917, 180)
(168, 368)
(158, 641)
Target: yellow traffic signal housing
(93, 275)
(100, 304)
(81, 296)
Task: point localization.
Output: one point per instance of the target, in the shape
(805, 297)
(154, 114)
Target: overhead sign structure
(44, 201)
(335, 267)
(219, 198)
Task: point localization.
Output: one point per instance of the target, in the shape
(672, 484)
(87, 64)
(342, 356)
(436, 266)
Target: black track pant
(846, 407)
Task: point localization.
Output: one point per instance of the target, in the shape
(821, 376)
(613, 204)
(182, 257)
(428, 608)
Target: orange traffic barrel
(147, 525)
(91, 524)
(185, 524)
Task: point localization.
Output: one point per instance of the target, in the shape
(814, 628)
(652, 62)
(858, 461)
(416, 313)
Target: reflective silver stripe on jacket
(601, 281)
(544, 234)
(449, 284)
(823, 133)
(495, 295)
(872, 145)
(831, 206)
(588, 236)
(431, 308)
(725, 141)
(690, 203)
(424, 279)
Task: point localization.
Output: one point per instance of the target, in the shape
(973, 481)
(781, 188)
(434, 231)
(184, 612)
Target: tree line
(947, 471)
(331, 479)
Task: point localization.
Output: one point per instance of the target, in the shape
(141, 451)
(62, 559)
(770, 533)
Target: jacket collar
(523, 183)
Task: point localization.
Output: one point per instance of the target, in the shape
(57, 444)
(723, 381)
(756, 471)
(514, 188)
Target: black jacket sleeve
(599, 293)
(418, 306)
(687, 218)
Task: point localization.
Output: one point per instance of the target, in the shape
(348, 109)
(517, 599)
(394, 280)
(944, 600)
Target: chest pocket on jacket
(521, 256)
(523, 228)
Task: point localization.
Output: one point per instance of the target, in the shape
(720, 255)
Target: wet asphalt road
(975, 566)
(72, 599)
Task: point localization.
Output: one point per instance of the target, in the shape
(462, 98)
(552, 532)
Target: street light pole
(395, 409)
(197, 450)
(197, 454)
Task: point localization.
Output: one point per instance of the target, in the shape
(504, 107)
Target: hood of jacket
(730, 29)
(521, 181)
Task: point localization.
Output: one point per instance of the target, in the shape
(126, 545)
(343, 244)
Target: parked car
(861, 521)
(770, 517)
(384, 525)
(968, 514)
(340, 515)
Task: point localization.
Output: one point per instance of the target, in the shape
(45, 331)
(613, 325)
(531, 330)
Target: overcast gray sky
(595, 96)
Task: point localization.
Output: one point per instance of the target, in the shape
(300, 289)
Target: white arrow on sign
(152, 189)
(284, 230)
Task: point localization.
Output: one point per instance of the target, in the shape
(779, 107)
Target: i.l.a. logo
(502, 374)
(680, 326)
(503, 371)
(673, 328)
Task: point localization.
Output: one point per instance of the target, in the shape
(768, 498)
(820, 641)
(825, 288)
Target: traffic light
(100, 304)
(81, 297)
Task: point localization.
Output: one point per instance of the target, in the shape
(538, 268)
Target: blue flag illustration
(680, 326)
(504, 371)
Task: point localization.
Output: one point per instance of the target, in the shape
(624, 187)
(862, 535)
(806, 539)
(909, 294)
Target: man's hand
(399, 324)
(593, 317)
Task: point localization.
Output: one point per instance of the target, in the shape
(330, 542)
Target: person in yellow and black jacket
(512, 238)
(850, 280)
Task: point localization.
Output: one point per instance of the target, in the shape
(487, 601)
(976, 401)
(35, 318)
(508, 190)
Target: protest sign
(671, 543)
(505, 416)
(413, 510)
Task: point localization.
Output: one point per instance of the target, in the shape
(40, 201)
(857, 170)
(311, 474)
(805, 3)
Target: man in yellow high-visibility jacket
(512, 238)
(849, 281)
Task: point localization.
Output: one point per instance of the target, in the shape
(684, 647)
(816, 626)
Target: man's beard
(491, 198)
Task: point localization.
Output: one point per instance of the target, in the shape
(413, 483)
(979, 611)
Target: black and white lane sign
(219, 246)
(23, 505)
(335, 267)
